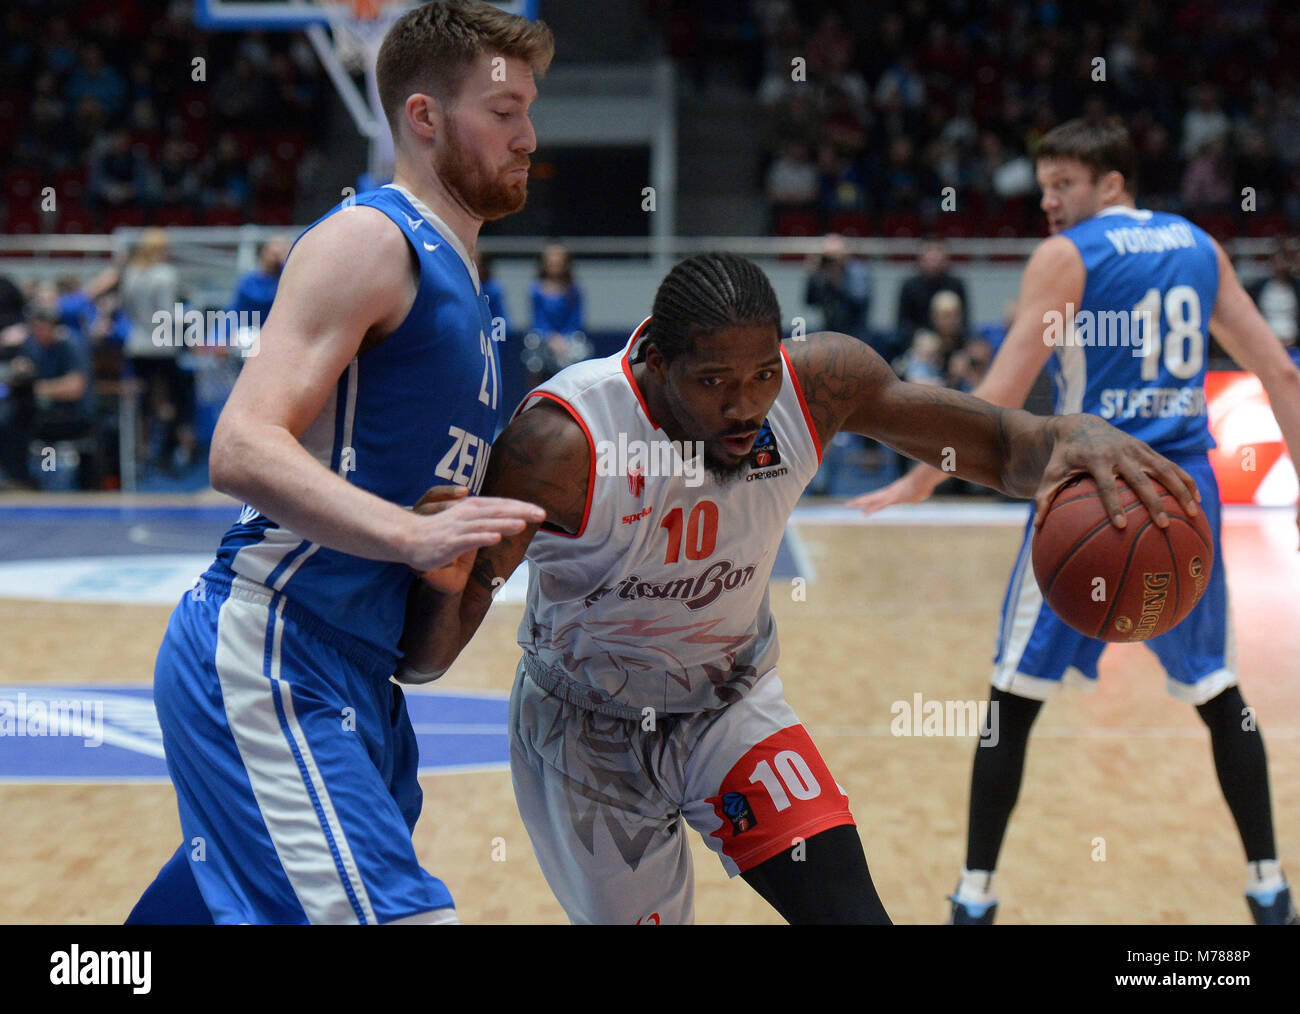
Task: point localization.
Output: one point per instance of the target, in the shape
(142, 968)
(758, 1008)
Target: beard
(723, 472)
(483, 192)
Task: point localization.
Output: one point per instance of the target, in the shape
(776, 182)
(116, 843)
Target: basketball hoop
(358, 27)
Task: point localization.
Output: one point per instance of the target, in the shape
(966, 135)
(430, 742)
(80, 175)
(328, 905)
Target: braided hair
(705, 294)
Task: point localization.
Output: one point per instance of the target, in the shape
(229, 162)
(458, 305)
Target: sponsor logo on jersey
(765, 456)
(466, 459)
(631, 519)
(636, 482)
(765, 453)
(738, 811)
(693, 592)
(415, 222)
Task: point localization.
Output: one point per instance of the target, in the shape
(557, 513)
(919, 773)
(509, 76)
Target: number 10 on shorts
(792, 773)
(780, 789)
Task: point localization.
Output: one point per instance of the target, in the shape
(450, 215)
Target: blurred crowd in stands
(133, 117)
(871, 109)
(128, 116)
(75, 353)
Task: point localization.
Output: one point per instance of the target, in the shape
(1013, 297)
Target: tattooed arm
(848, 387)
(543, 456)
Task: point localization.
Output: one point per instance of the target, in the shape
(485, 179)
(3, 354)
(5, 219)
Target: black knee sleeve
(1242, 767)
(821, 881)
(996, 775)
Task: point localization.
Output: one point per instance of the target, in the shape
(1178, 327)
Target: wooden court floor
(895, 610)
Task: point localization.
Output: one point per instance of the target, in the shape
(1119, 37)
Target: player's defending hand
(449, 527)
(917, 485)
(1084, 443)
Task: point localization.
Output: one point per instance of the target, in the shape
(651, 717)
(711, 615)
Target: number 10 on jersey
(701, 530)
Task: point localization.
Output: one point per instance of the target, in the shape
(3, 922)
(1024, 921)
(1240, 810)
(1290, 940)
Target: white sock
(976, 887)
(1264, 877)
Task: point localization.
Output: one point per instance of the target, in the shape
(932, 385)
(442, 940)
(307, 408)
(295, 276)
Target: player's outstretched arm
(1246, 336)
(541, 457)
(1052, 283)
(848, 387)
(347, 281)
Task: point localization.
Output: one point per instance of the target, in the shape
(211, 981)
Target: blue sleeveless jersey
(1137, 353)
(417, 410)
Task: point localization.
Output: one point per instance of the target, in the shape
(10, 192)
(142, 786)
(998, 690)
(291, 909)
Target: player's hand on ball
(447, 526)
(1084, 443)
(915, 486)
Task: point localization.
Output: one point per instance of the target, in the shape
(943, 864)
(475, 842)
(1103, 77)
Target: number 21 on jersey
(490, 375)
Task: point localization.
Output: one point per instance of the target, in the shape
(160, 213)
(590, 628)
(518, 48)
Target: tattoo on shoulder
(542, 457)
(837, 374)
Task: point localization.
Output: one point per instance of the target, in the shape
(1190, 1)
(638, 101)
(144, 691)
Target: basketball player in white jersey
(647, 698)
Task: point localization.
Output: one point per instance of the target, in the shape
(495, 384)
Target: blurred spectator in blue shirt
(95, 78)
(118, 176)
(48, 391)
(79, 305)
(255, 292)
(557, 338)
(557, 301)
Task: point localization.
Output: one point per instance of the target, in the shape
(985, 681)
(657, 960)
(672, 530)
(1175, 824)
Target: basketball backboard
(346, 35)
(295, 15)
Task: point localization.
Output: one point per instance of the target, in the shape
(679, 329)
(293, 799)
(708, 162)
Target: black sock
(822, 881)
(1243, 770)
(996, 775)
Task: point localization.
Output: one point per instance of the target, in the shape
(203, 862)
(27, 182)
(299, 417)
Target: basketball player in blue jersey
(291, 750)
(1109, 261)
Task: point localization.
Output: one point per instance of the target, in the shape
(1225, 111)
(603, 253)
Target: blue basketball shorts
(294, 762)
(1036, 651)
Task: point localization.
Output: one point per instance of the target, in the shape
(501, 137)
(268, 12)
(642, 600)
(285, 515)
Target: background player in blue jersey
(1106, 257)
(291, 751)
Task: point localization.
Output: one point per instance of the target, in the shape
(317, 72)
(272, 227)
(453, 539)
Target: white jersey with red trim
(660, 600)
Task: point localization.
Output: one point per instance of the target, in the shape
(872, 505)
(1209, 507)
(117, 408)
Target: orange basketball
(1120, 584)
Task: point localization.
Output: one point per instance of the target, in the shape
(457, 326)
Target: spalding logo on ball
(1120, 584)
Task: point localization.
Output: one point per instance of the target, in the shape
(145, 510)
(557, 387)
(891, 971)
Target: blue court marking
(28, 533)
(111, 734)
